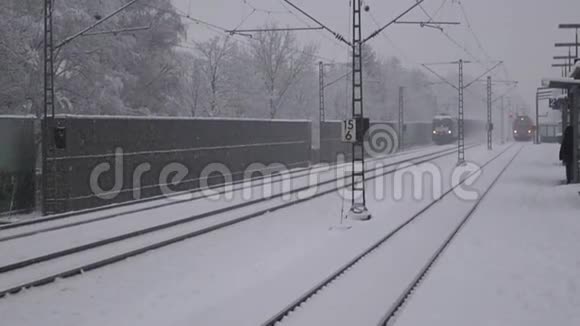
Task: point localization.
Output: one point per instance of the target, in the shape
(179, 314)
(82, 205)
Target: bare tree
(280, 60)
(214, 54)
(194, 86)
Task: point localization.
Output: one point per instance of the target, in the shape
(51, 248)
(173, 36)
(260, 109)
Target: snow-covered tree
(127, 73)
(281, 61)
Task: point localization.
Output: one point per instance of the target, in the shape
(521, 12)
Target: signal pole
(460, 129)
(321, 83)
(502, 121)
(358, 209)
(48, 96)
(489, 116)
(460, 88)
(401, 123)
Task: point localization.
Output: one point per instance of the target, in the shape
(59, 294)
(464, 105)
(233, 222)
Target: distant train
(523, 128)
(444, 129)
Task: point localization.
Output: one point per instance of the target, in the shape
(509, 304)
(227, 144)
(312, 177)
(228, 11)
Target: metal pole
(537, 131)
(502, 122)
(321, 80)
(576, 43)
(564, 111)
(48, 97)
(358, 210)
(489, 117)
(569, 60)
(563, 74)
(574, 108)
(461, 135)
(401, 118)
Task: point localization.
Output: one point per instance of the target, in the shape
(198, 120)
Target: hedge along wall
(96, 143)
(17, 163)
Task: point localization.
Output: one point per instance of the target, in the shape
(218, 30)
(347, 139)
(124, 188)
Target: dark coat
(566, 148)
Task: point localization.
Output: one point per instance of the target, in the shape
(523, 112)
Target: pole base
(460, 163)
(358, 213)
(340, 227)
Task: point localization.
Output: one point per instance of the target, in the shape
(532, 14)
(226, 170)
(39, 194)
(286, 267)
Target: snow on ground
(203, 278)
(517, 262)
(47, 243)
(363, 294)
(148, 211)
(8, 218)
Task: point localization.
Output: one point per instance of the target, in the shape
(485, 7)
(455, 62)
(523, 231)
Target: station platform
(517, 261)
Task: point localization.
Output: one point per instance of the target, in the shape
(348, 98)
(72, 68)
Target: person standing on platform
(566, 152)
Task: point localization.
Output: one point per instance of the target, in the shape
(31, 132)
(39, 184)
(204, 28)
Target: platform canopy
(575, 71)
(562, 83)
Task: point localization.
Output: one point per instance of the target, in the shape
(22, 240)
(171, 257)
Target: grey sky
(521, 33)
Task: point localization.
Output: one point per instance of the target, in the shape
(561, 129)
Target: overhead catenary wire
(288, 29)
(463, 11)
(262, 10)
(333, 41)
(178, 13)
(391, 42)
(337, 35)
(338, 79)
(381, 29)
(219, 29)
(118, 31)
(470, 28)
(439, 9)
(242, 23)
(87, 29)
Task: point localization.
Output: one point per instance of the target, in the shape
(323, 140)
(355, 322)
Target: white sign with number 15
(349, 131)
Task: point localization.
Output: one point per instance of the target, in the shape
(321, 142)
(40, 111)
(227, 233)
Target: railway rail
(27, 228)
(49, 267)
(326, 283)
(403, 298)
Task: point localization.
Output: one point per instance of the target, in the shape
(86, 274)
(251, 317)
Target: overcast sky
(521, 33)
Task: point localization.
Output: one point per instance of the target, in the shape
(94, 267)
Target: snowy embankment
(197, 281)
(517, 263)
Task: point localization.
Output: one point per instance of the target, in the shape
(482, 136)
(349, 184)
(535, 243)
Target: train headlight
(434, 132)
(449, 132)
(515, 131)
(529, 131)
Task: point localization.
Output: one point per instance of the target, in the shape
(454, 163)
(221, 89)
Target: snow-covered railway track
(391, 314)
(297, 312)
(44, 269)
(36, 226)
